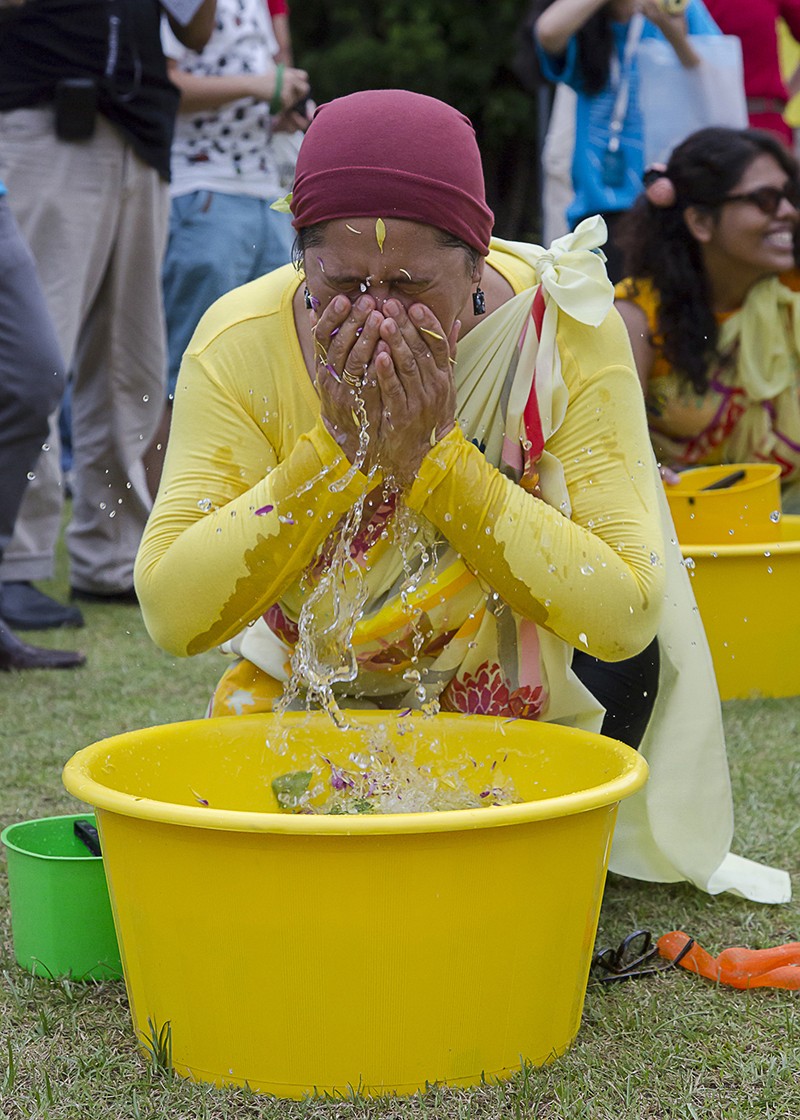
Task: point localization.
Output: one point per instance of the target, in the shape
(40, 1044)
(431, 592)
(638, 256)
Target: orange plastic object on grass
(740, 968)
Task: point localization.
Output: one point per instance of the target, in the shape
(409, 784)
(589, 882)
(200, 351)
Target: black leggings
(626, 689)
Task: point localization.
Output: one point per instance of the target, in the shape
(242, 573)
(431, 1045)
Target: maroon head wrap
(393, 154)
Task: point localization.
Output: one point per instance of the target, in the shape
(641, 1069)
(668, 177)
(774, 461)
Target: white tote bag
(676, 101)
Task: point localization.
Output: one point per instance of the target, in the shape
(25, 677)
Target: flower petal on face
(346, 226)
(380, 233)
(264, 510)
(406, 272)
(283, 205)
(433, 334)
(321, 265)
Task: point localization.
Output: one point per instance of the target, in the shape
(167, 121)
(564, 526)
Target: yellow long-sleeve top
(247, 436)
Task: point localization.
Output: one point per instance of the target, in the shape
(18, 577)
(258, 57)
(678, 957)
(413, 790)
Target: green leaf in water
(289, 788)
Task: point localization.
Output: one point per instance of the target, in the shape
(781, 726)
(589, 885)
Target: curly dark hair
(657, 245)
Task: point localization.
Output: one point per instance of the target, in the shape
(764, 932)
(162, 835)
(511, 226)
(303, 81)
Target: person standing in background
(86, 119)
(591, 45)
(31, 384)
(222, 230)
(755, 23)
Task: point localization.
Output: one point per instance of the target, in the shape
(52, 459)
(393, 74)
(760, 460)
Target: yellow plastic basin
(749, 600)
(741, 513)
(306, 952)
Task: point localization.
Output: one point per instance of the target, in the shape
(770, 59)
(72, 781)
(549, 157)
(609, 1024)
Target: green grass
(671, 1047)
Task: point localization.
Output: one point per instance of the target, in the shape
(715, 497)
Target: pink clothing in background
(278, 7)
(754, 22)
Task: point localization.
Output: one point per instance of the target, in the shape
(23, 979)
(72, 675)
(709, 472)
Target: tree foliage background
(460, 51)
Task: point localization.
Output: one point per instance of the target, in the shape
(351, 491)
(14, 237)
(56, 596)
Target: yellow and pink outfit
(751, 409)
(543, 510)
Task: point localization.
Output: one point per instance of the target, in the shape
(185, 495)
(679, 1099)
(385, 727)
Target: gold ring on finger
(352, 379)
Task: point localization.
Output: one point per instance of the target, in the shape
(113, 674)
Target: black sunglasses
(769, 199)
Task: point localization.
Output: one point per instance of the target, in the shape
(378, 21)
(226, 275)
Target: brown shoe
(16, 654)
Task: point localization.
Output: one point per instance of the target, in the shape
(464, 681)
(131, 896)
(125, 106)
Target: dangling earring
(308, 298)
(478, 302)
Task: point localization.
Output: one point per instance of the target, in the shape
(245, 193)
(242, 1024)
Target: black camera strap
(116, 30)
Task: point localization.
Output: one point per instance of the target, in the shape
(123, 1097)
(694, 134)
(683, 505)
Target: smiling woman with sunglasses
(712, 304)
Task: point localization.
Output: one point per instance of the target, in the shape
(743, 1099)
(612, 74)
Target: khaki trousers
(95, 217)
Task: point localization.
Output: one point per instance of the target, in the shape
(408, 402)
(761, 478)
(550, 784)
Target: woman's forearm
(232, 527)
(555, 27)
(201, 92)
(594, 580)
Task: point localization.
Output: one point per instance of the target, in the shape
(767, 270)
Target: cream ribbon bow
(573, 272)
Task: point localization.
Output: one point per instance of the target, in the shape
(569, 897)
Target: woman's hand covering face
(385, 357)
(388, 369)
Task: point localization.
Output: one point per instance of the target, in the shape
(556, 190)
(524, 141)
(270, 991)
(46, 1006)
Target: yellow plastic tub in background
(743, 513)
(305, 952)
(748, 596)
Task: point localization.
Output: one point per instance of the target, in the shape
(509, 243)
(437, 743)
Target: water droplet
(688, 563)
(448, 517)
(767, 553)
(654, 560)
(205, 504)
(45, 447)
(102, 505)
(552, 568)
(31, 476)
(587, 570)
(769, 571)
(113, 513)
(775, 516)
(145, 398)
(582, 638)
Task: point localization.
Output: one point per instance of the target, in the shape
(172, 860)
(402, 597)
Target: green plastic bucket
(60, 911)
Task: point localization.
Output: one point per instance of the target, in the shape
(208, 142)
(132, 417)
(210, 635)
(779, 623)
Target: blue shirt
(593, 120)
